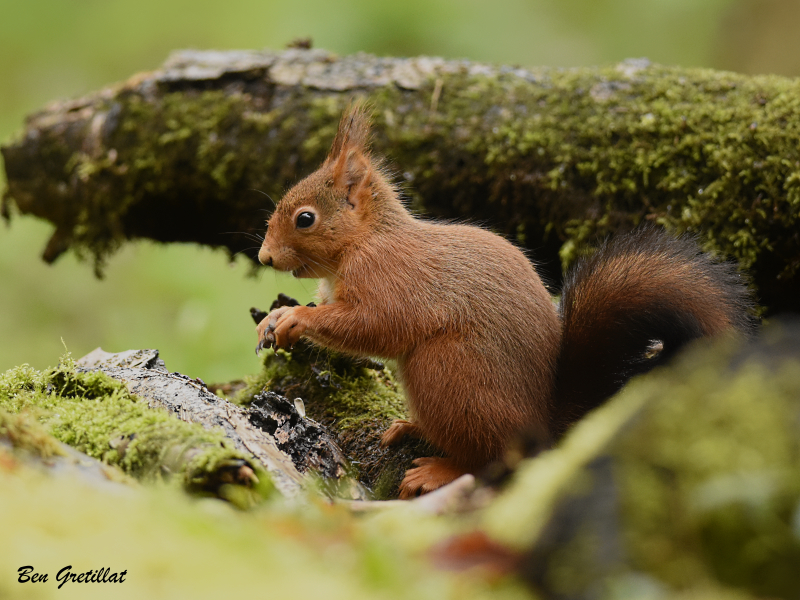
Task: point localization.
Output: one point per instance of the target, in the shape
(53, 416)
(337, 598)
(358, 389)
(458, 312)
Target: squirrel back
(631, 306)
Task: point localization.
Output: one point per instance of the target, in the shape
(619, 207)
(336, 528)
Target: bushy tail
(631, 306)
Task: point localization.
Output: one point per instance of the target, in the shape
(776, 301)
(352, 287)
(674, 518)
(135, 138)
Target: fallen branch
(545, 156)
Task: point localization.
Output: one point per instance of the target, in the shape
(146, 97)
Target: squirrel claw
(281, 328)
(266, 341)
(427, 475)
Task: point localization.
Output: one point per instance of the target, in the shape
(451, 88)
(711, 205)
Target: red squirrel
(481, 349)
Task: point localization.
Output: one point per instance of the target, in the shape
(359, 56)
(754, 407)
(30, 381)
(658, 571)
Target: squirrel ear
(353, 133)
(353, 172)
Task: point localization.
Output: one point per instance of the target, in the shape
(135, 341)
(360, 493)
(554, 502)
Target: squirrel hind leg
(429, 474)
(398, 431)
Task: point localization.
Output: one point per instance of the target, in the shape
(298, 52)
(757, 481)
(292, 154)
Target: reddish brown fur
(641, 287)
(474, 332)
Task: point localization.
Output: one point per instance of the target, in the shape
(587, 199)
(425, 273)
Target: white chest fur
(326, 289)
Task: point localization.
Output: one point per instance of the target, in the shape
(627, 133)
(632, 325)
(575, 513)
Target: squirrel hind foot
(428, 475)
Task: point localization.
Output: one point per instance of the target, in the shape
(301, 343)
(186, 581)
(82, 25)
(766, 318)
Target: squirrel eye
(305, 220)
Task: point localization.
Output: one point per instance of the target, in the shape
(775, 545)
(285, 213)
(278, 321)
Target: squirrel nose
(265, 257)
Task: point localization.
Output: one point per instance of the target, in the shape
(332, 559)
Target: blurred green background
(190, 302)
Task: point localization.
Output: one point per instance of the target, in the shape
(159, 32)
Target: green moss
(334, 387)
(684, 146)
(24, 433)
(99, 417)
(141, 162)
(386, 485)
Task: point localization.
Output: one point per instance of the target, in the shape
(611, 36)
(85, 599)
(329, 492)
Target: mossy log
(552, 158)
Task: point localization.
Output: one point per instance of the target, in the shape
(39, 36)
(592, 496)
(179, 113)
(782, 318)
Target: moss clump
(147, 161)
(335, 387)
(25, 434)
(688, 480)
(99, 417)
(354, 401)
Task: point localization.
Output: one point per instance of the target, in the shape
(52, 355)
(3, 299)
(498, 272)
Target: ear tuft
(353, 133)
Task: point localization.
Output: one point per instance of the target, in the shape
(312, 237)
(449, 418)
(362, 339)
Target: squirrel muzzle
(265, 256)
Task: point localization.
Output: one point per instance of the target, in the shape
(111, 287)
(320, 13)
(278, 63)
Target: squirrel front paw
(399, 429)
(430, 474)
(281, 328)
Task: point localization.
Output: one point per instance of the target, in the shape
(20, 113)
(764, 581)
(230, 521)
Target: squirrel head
(331, 208)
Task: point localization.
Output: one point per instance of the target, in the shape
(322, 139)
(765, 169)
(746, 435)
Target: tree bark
(549, 157)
